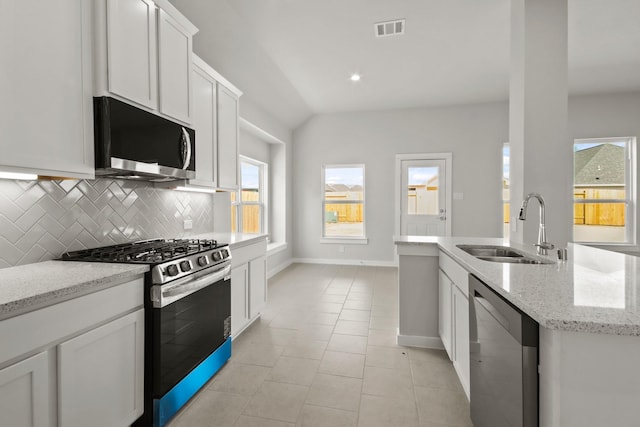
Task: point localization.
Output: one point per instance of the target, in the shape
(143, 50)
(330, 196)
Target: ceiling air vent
(389, 28)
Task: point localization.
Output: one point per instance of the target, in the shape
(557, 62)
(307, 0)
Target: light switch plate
(188, 224)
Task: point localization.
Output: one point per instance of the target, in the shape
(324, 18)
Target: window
(248, 206)
(603, 190)
(343, 201)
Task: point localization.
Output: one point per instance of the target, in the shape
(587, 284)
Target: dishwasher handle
(519, 325)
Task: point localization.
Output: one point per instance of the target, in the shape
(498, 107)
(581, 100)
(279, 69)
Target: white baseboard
(418, 341)
(333, 261)
(278, 268)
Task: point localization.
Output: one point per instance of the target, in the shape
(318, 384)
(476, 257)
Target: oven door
(191, 319)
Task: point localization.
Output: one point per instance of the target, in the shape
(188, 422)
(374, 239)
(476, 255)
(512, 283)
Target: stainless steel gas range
(187, 316)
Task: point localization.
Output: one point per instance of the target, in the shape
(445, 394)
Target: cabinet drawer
(243, 254)
(54, 323)
(455, 272)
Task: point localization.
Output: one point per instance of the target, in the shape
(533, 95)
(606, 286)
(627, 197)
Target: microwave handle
(186, 148)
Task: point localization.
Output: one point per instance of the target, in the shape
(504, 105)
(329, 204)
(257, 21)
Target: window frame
(343, 239)
(262, 203)
(630, 190)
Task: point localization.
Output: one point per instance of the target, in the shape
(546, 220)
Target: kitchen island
(587, 308)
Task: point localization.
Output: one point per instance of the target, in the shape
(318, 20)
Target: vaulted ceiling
(293, 58)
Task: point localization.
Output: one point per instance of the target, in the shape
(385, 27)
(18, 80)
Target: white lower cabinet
(445, 320)
(461, 334)
(248, 284)
(100, 381)
(25, 394)
(453, 306)
(239, 298)
(258, 285)
(76, 363)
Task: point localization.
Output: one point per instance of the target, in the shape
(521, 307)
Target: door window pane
(423, 190)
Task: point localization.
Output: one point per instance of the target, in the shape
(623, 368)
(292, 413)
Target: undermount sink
(501, 254)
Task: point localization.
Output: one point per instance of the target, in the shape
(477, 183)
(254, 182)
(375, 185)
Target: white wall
(279, 156)
(473, 133)
(253, 147)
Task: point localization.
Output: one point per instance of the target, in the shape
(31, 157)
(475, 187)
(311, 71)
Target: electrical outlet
(187, 224)
(341, 248)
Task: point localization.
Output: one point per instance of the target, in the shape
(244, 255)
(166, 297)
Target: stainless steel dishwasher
(504, 361)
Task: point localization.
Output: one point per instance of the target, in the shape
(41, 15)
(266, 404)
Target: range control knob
(202, 261)
(225, 253)
(172, 270)
(216, 256)
(185, 266)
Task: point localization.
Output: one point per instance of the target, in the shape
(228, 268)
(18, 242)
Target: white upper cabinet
(175, 57)
(204, 123)
(46, 88)
(215, 120)
(143, 55)
(131, 50)
(228, 130)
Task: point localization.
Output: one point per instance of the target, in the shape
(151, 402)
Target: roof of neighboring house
(342, 188)
(336, 187)
(602, 164)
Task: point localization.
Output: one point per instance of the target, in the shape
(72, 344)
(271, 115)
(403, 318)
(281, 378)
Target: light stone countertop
(33, 286)
(595, 291)
(233, 239)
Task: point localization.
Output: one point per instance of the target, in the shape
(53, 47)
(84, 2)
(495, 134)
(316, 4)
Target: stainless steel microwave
(132, 143)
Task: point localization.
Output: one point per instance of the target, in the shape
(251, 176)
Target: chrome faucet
(543, 245)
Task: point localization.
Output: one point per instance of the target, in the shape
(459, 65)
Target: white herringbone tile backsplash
(40, 220)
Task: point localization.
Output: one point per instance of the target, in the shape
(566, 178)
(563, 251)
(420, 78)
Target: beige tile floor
(324, 354)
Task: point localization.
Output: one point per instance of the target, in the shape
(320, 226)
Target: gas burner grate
(145, 251)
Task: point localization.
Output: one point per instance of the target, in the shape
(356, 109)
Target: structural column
(541, 152)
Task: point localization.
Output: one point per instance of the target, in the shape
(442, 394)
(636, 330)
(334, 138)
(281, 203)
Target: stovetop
(153, 251)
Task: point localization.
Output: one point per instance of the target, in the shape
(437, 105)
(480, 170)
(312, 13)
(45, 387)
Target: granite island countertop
(33, 286)
(595, 291)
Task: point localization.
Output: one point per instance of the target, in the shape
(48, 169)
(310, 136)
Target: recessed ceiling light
(355, 77)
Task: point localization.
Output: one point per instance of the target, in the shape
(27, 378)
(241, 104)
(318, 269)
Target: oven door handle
(163, 297)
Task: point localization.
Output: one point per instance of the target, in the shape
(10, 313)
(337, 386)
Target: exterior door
(423, 190)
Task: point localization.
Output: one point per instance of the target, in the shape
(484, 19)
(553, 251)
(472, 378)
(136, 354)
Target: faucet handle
(545, 245)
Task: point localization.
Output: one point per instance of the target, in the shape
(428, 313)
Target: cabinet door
(227, 139)
(461, 334)
(46, 87)
(239, 298)
(100, 375)
(445, 312)
(174, 72)
(131, 50)
(257, 286)
(204, 122)
(25, 393)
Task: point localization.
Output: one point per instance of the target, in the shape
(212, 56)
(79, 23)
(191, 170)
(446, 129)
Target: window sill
(345, 240)
(277, 247)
